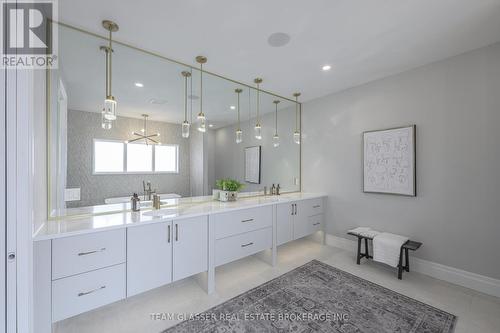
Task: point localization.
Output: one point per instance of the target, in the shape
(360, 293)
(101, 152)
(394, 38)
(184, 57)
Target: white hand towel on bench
(359, 230)
(387, 247)
(369, 233)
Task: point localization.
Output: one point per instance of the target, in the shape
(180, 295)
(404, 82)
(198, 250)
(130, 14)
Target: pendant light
(105, 123)
(258, 128)
(276, 138)
(239, 133)
(296, 134)
(109, 111)
(148, 138)
(185, 124)
(202, 126)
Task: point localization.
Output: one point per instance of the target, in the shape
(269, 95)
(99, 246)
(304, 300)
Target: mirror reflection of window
(166, 157)
(139, 157)
(108, 156)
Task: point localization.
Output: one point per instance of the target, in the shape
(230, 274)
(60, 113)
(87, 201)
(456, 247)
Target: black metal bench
(409, 245)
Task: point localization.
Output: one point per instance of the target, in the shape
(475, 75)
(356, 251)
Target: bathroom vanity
(87, 262)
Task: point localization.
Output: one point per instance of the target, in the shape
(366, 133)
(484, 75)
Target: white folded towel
(387, 247)
(359, 230)
(369, 233)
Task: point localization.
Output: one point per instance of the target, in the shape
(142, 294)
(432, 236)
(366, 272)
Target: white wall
(455, 104)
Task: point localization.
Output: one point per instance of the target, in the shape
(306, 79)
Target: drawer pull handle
(249, 220)
(317, 223)
(176, 232)
(90, 291)
(316, 206)
(91, 252)
(248, 244)
(168, 232)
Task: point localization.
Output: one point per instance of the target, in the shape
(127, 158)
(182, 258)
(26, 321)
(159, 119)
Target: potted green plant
(229, 189)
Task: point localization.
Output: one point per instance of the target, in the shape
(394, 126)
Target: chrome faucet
(148, 192)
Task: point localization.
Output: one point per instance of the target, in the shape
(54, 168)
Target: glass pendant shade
(186, 126)
(296, 134)
(258, 132)
(109, 111)
(185, 129)
(239, 136)
(202, 126)
(105, 123)
(276, 141)
(296, 137)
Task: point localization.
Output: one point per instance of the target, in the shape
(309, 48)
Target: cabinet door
(190, 239)
(149, 257)
(284, 223)
(301, 226)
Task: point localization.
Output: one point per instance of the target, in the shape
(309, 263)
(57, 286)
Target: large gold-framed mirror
(94, 169)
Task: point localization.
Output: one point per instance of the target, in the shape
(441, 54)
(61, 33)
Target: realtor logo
(28, 35)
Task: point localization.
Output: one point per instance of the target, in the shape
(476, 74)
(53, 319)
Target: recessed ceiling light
(211, 125)
(138, 84)
(278, 39)
(232, 107)
(326, 67)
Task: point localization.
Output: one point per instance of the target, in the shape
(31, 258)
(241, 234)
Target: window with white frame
(119, 157)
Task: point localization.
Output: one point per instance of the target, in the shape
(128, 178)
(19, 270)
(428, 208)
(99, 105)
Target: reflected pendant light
(258, 128)
(109, 111)
(202, 125)
(185, 124)
(239, 133)
(296, 134)
(276, 138)
(148, 138)
(105, 123)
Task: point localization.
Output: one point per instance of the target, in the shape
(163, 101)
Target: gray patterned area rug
(317, 297)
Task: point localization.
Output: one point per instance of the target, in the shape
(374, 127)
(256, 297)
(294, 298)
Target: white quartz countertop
(186, 208)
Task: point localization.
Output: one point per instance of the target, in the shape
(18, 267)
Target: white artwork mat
(252, 165)
(389, 161)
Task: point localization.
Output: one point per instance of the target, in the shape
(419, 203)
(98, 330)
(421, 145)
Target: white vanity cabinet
(149, 257)
(299, 219)
(88, 271)
(160, 253)
(190, 247)
(284, 222)
(308, 217)
(242, 233)
(75, 273)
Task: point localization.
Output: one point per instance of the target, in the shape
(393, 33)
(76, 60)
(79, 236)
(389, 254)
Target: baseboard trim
(453, 275)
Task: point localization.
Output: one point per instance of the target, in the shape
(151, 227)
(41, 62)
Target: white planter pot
(228, 195)
(215, 194)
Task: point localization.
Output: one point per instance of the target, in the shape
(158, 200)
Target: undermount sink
(161, 212)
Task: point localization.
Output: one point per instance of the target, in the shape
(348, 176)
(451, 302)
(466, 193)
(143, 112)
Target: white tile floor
(477, 313)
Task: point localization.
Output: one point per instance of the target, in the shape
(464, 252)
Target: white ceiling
(362, 39)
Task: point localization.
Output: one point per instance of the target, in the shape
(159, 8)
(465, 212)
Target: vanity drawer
(307, 225)
(243, 245)
(78, 254)
(80, 293)
(237, 222)
(315, 223)
(312, 206)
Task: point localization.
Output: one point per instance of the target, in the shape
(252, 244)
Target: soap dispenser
(135, 203)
